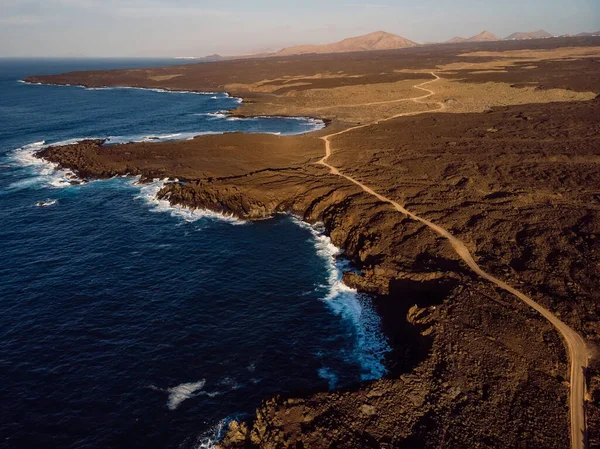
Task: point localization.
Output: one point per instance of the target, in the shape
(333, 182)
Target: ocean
(127, 323)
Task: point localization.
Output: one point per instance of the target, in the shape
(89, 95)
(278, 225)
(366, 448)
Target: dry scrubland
(504, 154)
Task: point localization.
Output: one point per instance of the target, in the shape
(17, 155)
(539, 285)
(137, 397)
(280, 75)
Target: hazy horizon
(180, 28)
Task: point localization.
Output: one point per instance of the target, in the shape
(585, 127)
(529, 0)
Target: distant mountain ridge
(380, 40)
(456, 40)
(540, 34)
(484, 36)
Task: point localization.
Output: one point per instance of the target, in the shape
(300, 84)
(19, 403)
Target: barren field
(502, 151)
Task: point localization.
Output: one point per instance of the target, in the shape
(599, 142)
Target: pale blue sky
(196, 28)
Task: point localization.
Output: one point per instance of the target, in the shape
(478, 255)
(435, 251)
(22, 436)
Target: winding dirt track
(577, 349)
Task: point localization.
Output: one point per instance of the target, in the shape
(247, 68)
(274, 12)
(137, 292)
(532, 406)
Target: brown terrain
(463, 183)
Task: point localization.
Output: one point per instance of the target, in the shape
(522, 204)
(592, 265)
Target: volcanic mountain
(484, 36)
(456, 40)
(379, 40)
(528, 35)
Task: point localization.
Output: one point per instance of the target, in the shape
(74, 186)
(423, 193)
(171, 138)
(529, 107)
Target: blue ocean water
(126, 323)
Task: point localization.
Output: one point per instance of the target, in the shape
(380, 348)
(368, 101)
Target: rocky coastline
(471, 366)
(443, 367)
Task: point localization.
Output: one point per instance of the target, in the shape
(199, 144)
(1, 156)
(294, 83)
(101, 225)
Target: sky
(165, 28)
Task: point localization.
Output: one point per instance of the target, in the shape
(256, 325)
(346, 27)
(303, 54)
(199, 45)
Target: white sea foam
(214, 436)
(31, 84)
(46, 174)
(148, 193)
(182, 392)
(218, 114)
(47, 203)
(355, 308)
(114, 139)
(158, 90)
(111, 140)
(189, 390)
(314, 123)
(149, 89)
(41, 172)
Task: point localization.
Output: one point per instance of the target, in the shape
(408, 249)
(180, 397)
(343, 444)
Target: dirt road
(578, 352)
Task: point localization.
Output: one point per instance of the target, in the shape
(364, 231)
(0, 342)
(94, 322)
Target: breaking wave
(189, 390)
(357, 309)
(182, 392)
(112, 140)
(148, 193)
(165, 91)
(211, 438)
(218, 114)
(41, 172)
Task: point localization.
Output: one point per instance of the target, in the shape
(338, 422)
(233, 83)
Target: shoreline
(334, 256)
(400, 262)
(242, 100)
(157, 89)
(229, 113)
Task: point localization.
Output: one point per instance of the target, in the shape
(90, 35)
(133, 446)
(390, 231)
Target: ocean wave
(311, 123)
(163, 137)
(46, 203)
(315, 123)
(357, 309)
(41, 172)
(189, 390)
(113, 140)
(148, 193)
(151, 89)
(237, 99)
(31, 84)
(211, 438)
(218, 114)
(151, 138)
(166, 91)
(182, 392)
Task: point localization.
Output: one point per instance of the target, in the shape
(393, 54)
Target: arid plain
(442, 170)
